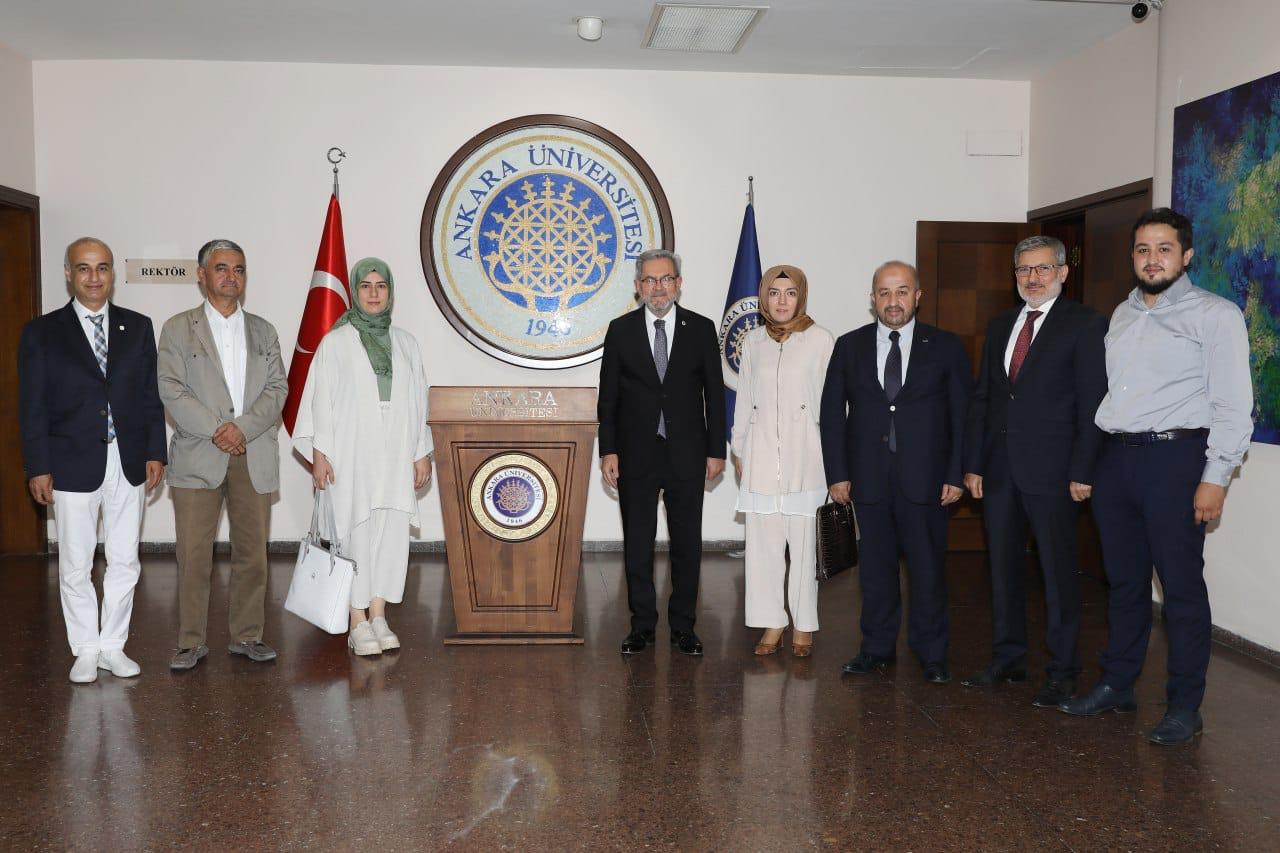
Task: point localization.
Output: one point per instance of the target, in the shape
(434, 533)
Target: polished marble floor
(565, 748)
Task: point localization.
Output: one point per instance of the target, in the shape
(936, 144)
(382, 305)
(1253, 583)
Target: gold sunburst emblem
(548, 246)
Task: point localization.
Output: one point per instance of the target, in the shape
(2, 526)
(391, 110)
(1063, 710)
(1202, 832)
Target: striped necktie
(100, 352)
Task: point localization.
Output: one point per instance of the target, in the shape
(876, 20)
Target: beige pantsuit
(776, 439)
(196, 512)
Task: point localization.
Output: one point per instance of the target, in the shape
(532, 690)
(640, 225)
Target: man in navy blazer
(893, 417)
(92, 435)
(1030, 449)
(662, 428)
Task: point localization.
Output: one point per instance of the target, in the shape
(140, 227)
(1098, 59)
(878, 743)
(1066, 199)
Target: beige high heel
(799, 649)
(762, 648)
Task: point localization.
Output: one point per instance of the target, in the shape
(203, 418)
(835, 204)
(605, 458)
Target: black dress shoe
(1014, 673)
(1054, 693)
(937, 672)
(1102, 698)
(635, 642)
(686, 642)
(865, 663)
(1178, 726)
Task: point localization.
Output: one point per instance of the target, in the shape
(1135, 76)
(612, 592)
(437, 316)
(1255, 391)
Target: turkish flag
(327, 300)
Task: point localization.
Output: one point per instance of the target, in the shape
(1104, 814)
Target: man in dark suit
(1029, 455)
(893, 415)
(662, 428)
(92, 435)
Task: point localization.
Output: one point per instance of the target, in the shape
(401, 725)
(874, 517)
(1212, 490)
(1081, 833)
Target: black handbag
(837, 539)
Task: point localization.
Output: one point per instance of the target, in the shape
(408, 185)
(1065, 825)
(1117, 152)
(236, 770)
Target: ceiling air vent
(701, 28)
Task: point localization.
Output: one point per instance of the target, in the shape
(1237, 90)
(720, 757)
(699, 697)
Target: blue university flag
(741, 309)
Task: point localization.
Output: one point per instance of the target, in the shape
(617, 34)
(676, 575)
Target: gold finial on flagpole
(751, 190)
(335, 156)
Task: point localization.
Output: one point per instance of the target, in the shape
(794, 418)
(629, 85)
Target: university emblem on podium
(530, 235)
(740, 318)
(513, 497)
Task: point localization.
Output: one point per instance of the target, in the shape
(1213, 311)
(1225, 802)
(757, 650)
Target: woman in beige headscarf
(777, 453)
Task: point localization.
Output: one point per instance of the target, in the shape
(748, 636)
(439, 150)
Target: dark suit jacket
(1039, 432)
(929, 416)
(691, 396)
(64, 396)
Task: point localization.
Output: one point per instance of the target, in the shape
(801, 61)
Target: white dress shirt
(883, 345)
(1022, 321)
(86, 325)
(228, 337)
(649, 317)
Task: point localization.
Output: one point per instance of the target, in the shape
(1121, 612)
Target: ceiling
(997, 39)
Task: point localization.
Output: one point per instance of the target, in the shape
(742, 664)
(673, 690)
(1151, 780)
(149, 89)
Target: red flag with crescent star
(327, 300)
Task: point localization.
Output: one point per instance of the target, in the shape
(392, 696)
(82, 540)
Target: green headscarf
(374, 329)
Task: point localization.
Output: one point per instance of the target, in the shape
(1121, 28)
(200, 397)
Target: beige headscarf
(798, 323)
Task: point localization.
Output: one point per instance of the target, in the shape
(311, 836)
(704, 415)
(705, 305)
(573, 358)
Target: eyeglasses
(1041, 270)
(650, 281)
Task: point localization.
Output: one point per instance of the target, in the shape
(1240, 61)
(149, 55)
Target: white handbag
(320, 591)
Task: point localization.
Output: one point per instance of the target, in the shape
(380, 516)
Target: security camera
(1140, 11)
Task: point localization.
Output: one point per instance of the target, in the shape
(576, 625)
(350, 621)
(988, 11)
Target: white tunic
(775, 421)
(340, 415)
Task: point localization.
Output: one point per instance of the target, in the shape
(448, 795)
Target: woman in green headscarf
(362, 423)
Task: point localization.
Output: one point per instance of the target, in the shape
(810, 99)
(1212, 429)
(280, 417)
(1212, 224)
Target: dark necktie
(660, 362)
(1023, 346)
(893, 382)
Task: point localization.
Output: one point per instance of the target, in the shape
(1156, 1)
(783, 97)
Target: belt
(1139, 439)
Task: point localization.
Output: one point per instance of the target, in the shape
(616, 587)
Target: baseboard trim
(1234, 641)
(430, 546)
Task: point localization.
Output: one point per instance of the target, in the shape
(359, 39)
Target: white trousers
(767, 587)
(76, 516)
(380, 547)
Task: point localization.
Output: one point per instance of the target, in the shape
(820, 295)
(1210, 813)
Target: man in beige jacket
(223, 384)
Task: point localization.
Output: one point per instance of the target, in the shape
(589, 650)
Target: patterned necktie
(1023, 346)
(893, 382)
(660, 362)
(100, 352)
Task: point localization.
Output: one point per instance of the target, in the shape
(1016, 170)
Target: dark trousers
(1143, 503)
(1007, 512)
(682, 495)
(918, 532)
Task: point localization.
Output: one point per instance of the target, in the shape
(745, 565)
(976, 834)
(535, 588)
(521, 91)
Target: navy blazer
(63, 399)
(929, 416)
(1039, 431)
(691, 396)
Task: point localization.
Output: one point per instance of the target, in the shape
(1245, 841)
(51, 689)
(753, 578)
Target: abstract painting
(1226, 178)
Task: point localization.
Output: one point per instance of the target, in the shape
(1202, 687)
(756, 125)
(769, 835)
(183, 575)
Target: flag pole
(751, 190)
(335, 156)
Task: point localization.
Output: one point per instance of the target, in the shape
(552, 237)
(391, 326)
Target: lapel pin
(121, 328)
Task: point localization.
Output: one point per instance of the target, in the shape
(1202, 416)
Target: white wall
(1207, 46)
(1092, 118)
(1091, 130)
(184, 151)
(17, 122)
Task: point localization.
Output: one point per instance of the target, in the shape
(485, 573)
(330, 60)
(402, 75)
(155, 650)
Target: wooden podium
(513, 465)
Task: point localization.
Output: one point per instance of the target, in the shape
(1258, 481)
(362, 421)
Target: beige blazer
(196, 397)
(775, 417)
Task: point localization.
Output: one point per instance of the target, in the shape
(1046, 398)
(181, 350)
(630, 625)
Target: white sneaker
(362, 641)
(118, 663)
(85, 669)
(387, 638)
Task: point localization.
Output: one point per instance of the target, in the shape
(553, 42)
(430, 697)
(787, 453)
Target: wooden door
(22, 521)
(966, 273)
(1098, 232)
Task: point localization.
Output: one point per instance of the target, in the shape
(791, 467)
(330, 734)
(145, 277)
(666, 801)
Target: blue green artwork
(1226, 178)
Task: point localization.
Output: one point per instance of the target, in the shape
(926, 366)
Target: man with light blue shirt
(1178, 411)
